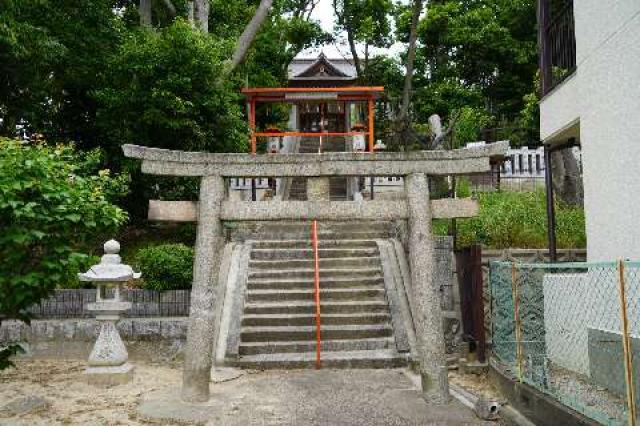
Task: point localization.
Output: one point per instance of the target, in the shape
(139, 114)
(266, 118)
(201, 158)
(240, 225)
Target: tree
(53, 54)
(402, 123)
(162, 89)
(364, 21)
(51, 204)
(486, 47)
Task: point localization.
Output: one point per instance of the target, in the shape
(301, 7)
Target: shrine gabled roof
(321, 68)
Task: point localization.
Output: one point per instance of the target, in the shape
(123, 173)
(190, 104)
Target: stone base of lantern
(110, 375)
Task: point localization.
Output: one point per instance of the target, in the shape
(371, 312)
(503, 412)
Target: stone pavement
(311, 397)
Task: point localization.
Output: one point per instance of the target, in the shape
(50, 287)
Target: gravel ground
(326, 397)
(73, 401)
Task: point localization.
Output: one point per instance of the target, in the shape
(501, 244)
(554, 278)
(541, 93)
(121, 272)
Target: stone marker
(26, 405)
(108, 364)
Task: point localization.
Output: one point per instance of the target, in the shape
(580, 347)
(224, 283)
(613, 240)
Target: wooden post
(371, 135)
(252, 124)
(254, 148)
(469, 270)
(626, 346)
(478, 302)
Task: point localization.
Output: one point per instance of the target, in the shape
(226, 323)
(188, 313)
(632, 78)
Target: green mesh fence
(562, 328)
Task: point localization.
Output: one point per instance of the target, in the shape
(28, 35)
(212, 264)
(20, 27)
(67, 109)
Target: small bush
(166, 266)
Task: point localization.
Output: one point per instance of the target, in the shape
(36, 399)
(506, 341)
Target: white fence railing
(244, 184)
(523, 162)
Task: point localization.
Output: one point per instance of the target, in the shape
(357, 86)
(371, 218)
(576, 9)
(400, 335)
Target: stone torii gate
(215, 207)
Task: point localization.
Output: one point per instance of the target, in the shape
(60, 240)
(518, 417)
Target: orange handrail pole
(314, 240)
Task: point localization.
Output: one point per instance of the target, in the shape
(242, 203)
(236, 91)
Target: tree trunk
(144, 10)
(170, 7)
(567, 182)
(190, 16)
(354, 53)
(249, 34)
(201, 14)
(411, 56)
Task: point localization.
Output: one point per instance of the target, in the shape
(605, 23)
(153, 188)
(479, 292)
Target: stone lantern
(358, 141)
(274, 143)
(108, 361)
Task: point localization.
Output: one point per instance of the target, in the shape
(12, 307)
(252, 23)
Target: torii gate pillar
(427, 310)
(208, 250)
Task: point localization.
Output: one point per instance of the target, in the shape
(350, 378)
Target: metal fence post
(626, 345)
(516, 315)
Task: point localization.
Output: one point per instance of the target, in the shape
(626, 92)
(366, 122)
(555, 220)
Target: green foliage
(518, 220)
(6, 353)
(475, 55)
(52, 55)
(50, 205)
(368, 20)
(469, 124)
(163, 91)
(166, 267)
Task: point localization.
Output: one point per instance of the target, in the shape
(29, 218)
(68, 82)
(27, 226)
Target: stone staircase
(337, 186)
(278, 325)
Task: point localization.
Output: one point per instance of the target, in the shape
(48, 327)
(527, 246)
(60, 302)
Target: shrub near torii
(50, 207)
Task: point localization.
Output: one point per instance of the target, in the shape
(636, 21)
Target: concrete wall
(576, 305)
(560, 111)
(605, 91)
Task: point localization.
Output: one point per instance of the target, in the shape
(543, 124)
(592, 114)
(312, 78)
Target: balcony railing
(557, 43)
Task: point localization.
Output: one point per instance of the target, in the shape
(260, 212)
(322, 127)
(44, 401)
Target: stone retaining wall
(148, 339)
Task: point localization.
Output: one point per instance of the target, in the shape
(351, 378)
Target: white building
(591, 92)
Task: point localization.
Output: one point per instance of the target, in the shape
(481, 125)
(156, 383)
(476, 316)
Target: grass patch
(517, 219)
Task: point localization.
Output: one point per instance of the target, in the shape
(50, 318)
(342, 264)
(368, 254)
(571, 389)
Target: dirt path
(349, 397)
(73, 401)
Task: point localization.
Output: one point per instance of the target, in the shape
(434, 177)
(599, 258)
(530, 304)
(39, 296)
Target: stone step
(374, 343)
(307, 244)
(355, 225)
(328, 283)
(264, 254)
(325, 262)
(361, 293)
(310, 319)
(328, 332)
(309, 273)
(383, 358)
(306, 307)
(371, 234)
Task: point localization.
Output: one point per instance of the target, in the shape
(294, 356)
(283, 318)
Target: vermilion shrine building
(323, 102)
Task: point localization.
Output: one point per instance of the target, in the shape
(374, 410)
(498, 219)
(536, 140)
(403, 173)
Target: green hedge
(518, 220)
(166, 266)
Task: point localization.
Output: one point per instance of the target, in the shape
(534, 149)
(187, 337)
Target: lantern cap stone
(111, 247)
(110, 267)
